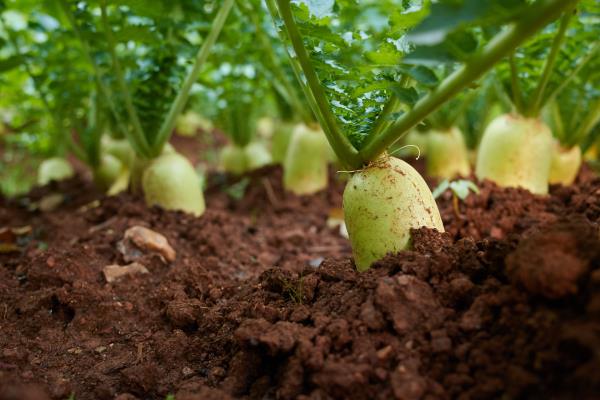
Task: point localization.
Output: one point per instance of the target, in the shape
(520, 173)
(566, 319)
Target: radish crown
(146, 121)
(583, 94)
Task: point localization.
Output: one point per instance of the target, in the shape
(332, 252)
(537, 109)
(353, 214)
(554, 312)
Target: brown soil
(263, 300)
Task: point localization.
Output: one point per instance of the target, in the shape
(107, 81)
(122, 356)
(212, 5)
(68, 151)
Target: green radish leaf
(356, 59)
(319, 8)
(447, 16)
(430, 56)
(386, 55)
(421, 74)
(405, 95)
(462, 187)
(458, 46)
(580, 38)
(238, 189)
(582, 94)
(151, 9)
(9, 63)
(441, 188)
(237, 87)
(363, 66)
(401, 20)
(136, 33)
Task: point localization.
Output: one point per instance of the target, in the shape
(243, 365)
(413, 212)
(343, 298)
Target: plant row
(506, 89)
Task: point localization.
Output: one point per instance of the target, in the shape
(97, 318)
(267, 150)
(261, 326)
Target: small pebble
(115, 272)
(139, 239)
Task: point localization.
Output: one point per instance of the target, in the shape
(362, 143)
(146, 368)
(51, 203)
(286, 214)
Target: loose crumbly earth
(263, 301)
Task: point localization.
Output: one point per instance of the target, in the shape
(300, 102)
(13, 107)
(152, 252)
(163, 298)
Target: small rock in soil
(139, 239)
(115, 272)
(183, 313)
(51, 202)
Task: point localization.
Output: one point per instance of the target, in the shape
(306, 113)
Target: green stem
(284, 86)
(557, 121)
(78, 150)
(22, 127)
(94, 124)
(565, 81)
(339, 142)
(514, 84)
(106, 91)
(384, 120)
(587, 124)
(42, 94)
(138, 132)
(536, 101)
(456, 113)
(179, 103)
(297, 69)
(500, 94)
(500, 46)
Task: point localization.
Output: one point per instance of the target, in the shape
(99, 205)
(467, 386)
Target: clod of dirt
(552, 262)
(184, 313)
(23, 392)
(113, 273)
(139, 239)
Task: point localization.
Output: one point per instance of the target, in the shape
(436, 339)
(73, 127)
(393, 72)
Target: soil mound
(263, 301)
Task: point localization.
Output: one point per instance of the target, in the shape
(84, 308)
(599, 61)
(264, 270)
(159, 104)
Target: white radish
(447, 155)
(170, 181)
(305, 165)
(516, 151)
(565, 164)
(382, 203)
(54, 169)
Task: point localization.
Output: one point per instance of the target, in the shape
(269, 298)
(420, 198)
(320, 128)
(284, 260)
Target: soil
(263, 301)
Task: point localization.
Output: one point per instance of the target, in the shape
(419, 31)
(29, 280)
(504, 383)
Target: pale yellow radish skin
(472, 156)
(139, 165)
(305, 165)
(565, 164)
(237, 160)
(447, 155)
(119, 148)
(257, 156)
(265, 127)
(108, 171)
(54, 169)
(592, 154)
(516, 151)
(280, 141)
(381, 204)
(189, 123)
(120, 184)
(170, 181)
(233, 160)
